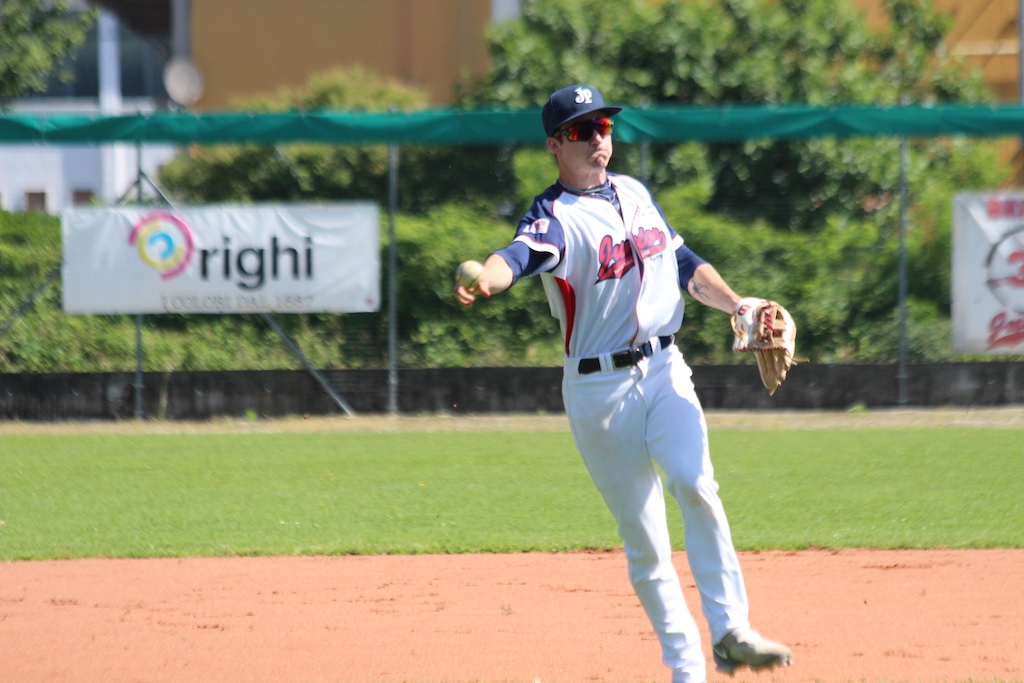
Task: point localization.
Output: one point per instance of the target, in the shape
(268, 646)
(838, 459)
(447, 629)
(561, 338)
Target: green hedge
(839, 285)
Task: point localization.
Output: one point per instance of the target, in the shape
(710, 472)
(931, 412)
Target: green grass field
(67, 495)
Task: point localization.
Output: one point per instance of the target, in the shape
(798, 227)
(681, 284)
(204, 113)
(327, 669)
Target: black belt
(624, 359)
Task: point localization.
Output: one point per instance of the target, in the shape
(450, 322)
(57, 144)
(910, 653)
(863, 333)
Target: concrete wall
(205, 395)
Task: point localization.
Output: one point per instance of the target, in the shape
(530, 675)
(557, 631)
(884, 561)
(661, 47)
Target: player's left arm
(709, 288)
(701, 280)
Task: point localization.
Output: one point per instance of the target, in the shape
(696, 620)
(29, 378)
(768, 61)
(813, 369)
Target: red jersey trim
(569, 301)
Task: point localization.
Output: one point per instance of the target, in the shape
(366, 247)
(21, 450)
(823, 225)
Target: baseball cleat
(744, 647)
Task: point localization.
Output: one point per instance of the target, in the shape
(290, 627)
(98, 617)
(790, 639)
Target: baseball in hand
(468, 273)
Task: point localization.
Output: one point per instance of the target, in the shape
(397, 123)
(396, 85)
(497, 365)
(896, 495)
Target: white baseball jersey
(611, 278)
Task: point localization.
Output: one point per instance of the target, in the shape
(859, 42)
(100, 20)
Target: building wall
(249, 48)
(245, 48)
(985, 34)
(62, 176)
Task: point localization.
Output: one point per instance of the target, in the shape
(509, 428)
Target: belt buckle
(637, 354)
(632, 356)
(624, 359)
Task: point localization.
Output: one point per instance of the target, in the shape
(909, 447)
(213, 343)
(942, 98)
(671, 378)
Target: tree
(297, 172)
(742, 52)
(812, 223)
(36, 38)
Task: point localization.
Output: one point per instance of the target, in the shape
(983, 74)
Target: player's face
(584, 143)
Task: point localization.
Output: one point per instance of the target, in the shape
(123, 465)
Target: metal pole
(392, 280)
(645, 158)
(901, 374)
(139, 384)
(321, 380)
(645, 150)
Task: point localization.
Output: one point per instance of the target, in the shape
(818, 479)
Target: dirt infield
(850, 615)
(933, 615)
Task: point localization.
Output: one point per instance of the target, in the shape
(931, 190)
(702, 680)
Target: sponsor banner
(988, 273)
(222, 259)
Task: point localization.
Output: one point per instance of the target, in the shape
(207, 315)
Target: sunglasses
(584, 130)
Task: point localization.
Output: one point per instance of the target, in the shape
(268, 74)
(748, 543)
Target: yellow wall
(245, 48)
(255, 47)
(984, 33)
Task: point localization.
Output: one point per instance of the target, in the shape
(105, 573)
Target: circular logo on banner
(164, 243)
(1006, 270)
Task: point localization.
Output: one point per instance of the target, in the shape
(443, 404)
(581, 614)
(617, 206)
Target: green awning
(469, 127)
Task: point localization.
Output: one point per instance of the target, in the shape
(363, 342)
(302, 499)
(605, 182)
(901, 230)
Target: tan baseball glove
(767, 330)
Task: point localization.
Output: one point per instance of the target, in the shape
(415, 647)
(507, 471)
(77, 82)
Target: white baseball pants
(624, 421)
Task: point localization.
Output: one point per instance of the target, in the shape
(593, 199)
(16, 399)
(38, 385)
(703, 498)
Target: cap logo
(584, 96)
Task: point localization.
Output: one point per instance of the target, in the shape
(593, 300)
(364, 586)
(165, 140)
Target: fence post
(392, 280)
(139, 383)
(901, 372)
(645, 150)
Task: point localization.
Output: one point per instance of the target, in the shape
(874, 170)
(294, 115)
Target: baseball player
(614, 271)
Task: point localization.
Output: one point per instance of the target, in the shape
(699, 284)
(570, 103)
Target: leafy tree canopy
(36, 37)
(704, 52)
(428, 175)
(717, 52)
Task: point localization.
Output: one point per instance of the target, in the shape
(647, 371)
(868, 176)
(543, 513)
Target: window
(35, 201)
(82, 197)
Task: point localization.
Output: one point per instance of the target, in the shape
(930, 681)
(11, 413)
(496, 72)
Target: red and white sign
(988, 273)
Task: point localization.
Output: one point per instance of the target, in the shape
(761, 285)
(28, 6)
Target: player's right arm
(537, 248)
(496, 277)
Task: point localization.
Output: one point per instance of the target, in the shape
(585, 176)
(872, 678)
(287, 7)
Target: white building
(116, 72)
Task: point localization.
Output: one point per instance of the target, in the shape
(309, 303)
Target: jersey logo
(615, 259)
(538, 227)
(650, 241)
